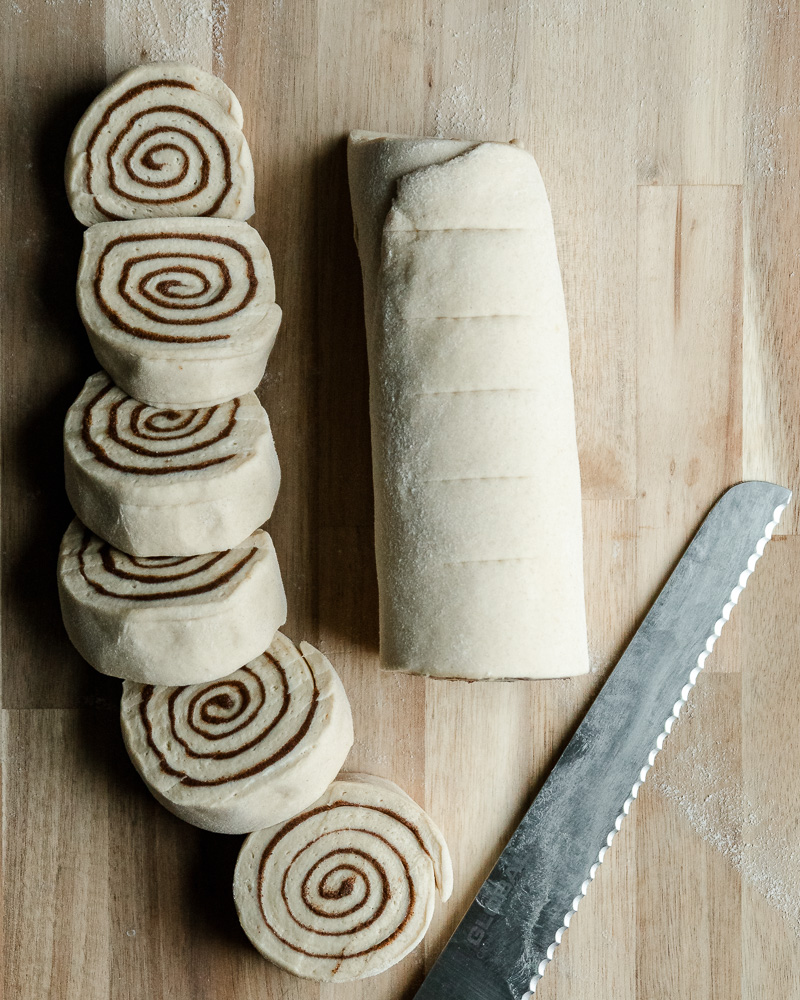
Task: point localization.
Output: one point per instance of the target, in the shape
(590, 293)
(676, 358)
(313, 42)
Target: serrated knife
(500, 949)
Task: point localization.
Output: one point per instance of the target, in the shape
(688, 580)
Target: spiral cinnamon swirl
(165, 139)
(169, 619)
(248, 750)
(346, 888)
(152, 480)
(180, 312)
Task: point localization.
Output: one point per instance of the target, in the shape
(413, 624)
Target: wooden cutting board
(667, 137)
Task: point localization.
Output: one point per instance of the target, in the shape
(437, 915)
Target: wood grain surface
(667, 134)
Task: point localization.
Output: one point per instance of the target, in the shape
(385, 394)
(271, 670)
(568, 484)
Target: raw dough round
(164, 139)
(151, 480)
(169, 619)
(346, 889)
(248, 750)
(180, 312)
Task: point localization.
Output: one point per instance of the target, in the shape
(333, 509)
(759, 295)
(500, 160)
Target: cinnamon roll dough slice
(169, 619)
(345, 889)
(152, 480)
(165, 139)
(248, 750)
(179, 312)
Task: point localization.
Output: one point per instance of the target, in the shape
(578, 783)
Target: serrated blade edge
(515, 923)
(727, 609)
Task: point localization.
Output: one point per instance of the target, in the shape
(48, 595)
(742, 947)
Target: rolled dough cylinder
(346, 889)
(179, 312)
(151, 480)
(169, 619)
(477, 488)
(246, 751)
(164, 139)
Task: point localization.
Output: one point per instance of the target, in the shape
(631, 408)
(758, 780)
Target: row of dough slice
(175, 289)
(170, 463)
(338, 879)
(168, 450)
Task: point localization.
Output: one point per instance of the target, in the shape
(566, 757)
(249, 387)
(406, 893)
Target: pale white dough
(165, 139)
(179, 312)
(152, 481)
(247, 751)
(169, 619)
(477, 488)
(346, 889)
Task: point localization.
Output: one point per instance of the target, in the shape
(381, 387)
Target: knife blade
(500, 949)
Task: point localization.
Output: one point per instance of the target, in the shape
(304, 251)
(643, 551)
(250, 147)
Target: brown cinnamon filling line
(216, 709)
(171, 288)
(109, 215)
(147, 158)
(244, 704)
(151, 163)
(129, 95)
(168, 425)
(343, 889)
(180, 421)
(148, 562)
(293, 824)
(141, 332)
(258, 766)
(205, 163)
(107, 559)
(110, 566)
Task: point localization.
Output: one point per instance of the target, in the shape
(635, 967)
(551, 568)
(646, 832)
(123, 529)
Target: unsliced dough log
(169, 619)
(180, 312)
(246, 751)
(346, 889)
(477, 489)
(151, 480)
(164, 139)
